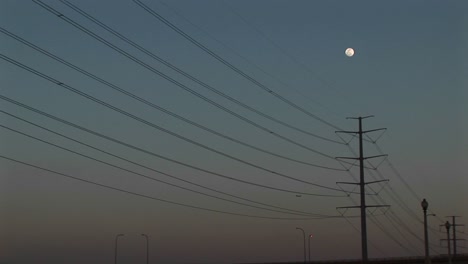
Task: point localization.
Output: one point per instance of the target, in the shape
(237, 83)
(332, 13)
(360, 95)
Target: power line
(403, 224)
(395, 171)
(382, 201)
(396, 198)
(162, 19)
(376, 221)
(116, 109)
(299, 63)
(145, 176)
(187, 75)
(278, 47)
(386, 232)
(229, 65)
(391, 221)
(185, 35)
(400, 177)
(141, 165)
(379, 225)
(152, 69)
(153, 153)
(370, 241)
(415, 195)
(157, 107)
(246, 59)
(323, 81)
(151, 197)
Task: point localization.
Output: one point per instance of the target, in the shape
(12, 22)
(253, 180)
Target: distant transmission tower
(454, 234)
(362, 184)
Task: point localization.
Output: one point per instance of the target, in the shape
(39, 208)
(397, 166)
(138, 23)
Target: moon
(349, 52)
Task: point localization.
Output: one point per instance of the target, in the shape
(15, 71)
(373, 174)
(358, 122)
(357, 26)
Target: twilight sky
(214, 132)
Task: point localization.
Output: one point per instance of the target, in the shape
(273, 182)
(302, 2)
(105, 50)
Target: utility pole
(454, 225)
(362, 183)
(447, 226)
(427, 258)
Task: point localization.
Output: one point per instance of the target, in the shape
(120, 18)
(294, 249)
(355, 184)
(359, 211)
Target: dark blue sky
(408, 70)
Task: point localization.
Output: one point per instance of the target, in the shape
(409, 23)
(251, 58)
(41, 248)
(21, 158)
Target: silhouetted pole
(454, 232)
(447, 226)
(147, 248)
(115, 251)
(363, 196)
(454, 236)
(425, 205)
(303, 233)
(362, 184)
(310, 236)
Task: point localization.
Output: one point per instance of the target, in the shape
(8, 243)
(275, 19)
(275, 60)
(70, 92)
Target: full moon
(349, 52)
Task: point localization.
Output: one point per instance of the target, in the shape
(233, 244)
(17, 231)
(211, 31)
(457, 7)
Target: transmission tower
(454, 234)
(362, 183)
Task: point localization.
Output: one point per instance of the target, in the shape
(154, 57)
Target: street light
(310, 236)
(447, 226)
(147, 247)
(425, 205)
(303, 233)
(115, 251)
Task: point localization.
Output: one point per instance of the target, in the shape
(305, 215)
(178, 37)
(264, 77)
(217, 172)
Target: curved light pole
(147, 247)
(303, 233)
(115, 251)
(310, 236)
(425, 205)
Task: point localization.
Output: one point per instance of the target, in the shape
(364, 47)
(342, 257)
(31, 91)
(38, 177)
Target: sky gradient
(409, 71)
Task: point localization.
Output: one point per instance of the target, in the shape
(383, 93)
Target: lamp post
(425, 205)
(115, 251)
(447, 226)
(303, 233)
(310, 236)
(147, 247)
